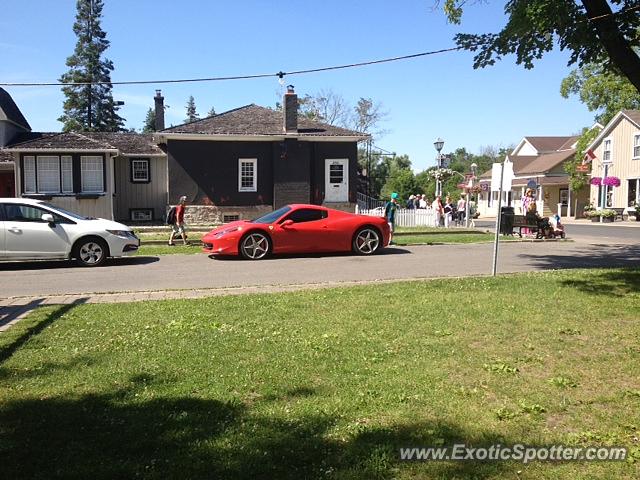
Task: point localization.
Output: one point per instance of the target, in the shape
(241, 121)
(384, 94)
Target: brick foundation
(212, 215)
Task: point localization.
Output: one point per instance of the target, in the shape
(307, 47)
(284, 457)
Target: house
(251, 160)
(238, 164)
(616, 152)
(538, 162)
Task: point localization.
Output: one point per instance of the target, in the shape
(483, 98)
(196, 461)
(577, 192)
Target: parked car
(299, 229)
(35, 230)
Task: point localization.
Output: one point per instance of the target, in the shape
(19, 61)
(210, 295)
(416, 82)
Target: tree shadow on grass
(614, 283)
(119, 435)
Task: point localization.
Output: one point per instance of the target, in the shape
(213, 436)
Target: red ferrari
(299, 229)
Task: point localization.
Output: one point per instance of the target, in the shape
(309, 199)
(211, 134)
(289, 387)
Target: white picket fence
(405, 217)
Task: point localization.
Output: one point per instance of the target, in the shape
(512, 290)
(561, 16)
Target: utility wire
(279, 74)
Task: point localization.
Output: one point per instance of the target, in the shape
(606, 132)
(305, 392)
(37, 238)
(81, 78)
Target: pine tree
(89, 107)
(212, 112)
(149, 122)
(192, 115)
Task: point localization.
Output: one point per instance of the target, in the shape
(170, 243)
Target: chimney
(159, 110)
(290, 111)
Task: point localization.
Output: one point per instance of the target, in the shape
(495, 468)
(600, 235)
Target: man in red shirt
(177, 228)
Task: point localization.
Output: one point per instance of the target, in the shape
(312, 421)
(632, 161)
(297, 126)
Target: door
(7, 184)
(28, 236)
(336, 174)
(305, 234)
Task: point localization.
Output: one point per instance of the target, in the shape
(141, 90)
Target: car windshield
(273, 216)
(66, 212)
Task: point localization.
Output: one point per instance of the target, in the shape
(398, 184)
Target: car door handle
(15, 230)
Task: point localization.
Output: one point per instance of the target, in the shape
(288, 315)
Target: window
(636, 146)
(67, 174)
(29, 174)
(48, 174)
(336, 173)
(25, 213)
(247, 175)
(92, 174)
(141, 214)
(606, 155)
(307, 215)
(140, 170)
(632, 191)
(564, 196)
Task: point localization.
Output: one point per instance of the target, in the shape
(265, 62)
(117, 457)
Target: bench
(524, 221)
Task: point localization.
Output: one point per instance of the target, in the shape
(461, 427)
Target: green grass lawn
(327, 383)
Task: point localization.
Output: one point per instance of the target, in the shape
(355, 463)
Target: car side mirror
(287, 223)
(47, 217)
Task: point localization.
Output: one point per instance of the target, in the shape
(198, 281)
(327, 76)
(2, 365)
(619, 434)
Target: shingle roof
(255, 120)
(532, 165)
(11, 110)
(549, 144)
(634, 115)
(5, 156)
(126, 143)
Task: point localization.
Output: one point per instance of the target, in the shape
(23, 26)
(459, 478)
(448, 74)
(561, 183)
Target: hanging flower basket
(611, 181)
(441, 174)
(597, 181)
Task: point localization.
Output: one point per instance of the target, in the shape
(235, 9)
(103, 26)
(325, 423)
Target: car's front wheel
(366, 241)
(90, 252)
(255, 246)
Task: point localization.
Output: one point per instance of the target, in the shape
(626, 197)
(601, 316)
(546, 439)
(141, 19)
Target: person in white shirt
(461, 208)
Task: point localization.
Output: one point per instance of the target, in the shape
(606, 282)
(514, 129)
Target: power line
(280, 74)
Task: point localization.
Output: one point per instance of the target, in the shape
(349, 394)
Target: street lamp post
(467, 209)
(439, 143)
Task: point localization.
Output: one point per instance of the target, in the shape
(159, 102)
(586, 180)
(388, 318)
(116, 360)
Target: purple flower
(611, 181)
(595, 181)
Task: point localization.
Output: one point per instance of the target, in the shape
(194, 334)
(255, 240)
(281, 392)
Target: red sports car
(299, 229)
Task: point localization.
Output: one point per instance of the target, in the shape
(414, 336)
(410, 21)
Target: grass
(327, 383)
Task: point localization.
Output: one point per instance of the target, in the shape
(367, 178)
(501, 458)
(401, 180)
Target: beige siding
(140, 195)
(622, 166)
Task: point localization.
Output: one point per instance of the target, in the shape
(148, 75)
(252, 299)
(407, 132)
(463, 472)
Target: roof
(11, 110)
(255, 120)
(126, 143)
(5, 156)
(632, 115)
(535, 165)
(551, 144)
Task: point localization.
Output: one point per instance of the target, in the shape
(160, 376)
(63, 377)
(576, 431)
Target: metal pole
(496, 241)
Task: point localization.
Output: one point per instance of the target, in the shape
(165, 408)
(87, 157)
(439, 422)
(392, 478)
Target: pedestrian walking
(177, 221)
(461, 210)
(390, 214)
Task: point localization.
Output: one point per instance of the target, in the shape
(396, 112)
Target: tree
(192, 115)
(367, 116)
(401, 178)
(89, 107)
(601, 91)
(212, 112)
(149, 122)
(578, 180)
(590, 29)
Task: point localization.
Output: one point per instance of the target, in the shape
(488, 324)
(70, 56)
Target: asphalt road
(200, 271)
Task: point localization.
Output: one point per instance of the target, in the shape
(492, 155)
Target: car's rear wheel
(255, 246)
(366, 241)
(90, 252)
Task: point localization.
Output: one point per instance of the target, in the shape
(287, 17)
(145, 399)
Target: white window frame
(41, 173)
(635, 151)
(609, 151)
(84, 171)
(146, 163)
(254, 185)
(29, 174)
(637, 199)
(66, 174)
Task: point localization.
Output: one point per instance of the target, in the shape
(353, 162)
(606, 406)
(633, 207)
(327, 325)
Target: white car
(35, 230)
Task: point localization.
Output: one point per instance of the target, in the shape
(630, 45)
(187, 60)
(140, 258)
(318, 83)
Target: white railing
(405, 217)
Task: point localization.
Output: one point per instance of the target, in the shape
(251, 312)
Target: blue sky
(426, 98)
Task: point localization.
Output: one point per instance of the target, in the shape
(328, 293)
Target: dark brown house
(252, 159)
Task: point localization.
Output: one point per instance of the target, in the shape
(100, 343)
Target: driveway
(137, 274)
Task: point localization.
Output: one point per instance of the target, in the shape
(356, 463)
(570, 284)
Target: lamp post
(439, 143)
(467, 205)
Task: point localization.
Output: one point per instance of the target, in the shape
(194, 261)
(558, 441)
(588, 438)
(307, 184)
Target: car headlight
(122, 233)
(228, 230)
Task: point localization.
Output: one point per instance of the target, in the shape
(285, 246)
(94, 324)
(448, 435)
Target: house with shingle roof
(238, 164)
(616, 153)
(538, 162)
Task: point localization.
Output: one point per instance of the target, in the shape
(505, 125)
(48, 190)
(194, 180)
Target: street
(137, 274)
